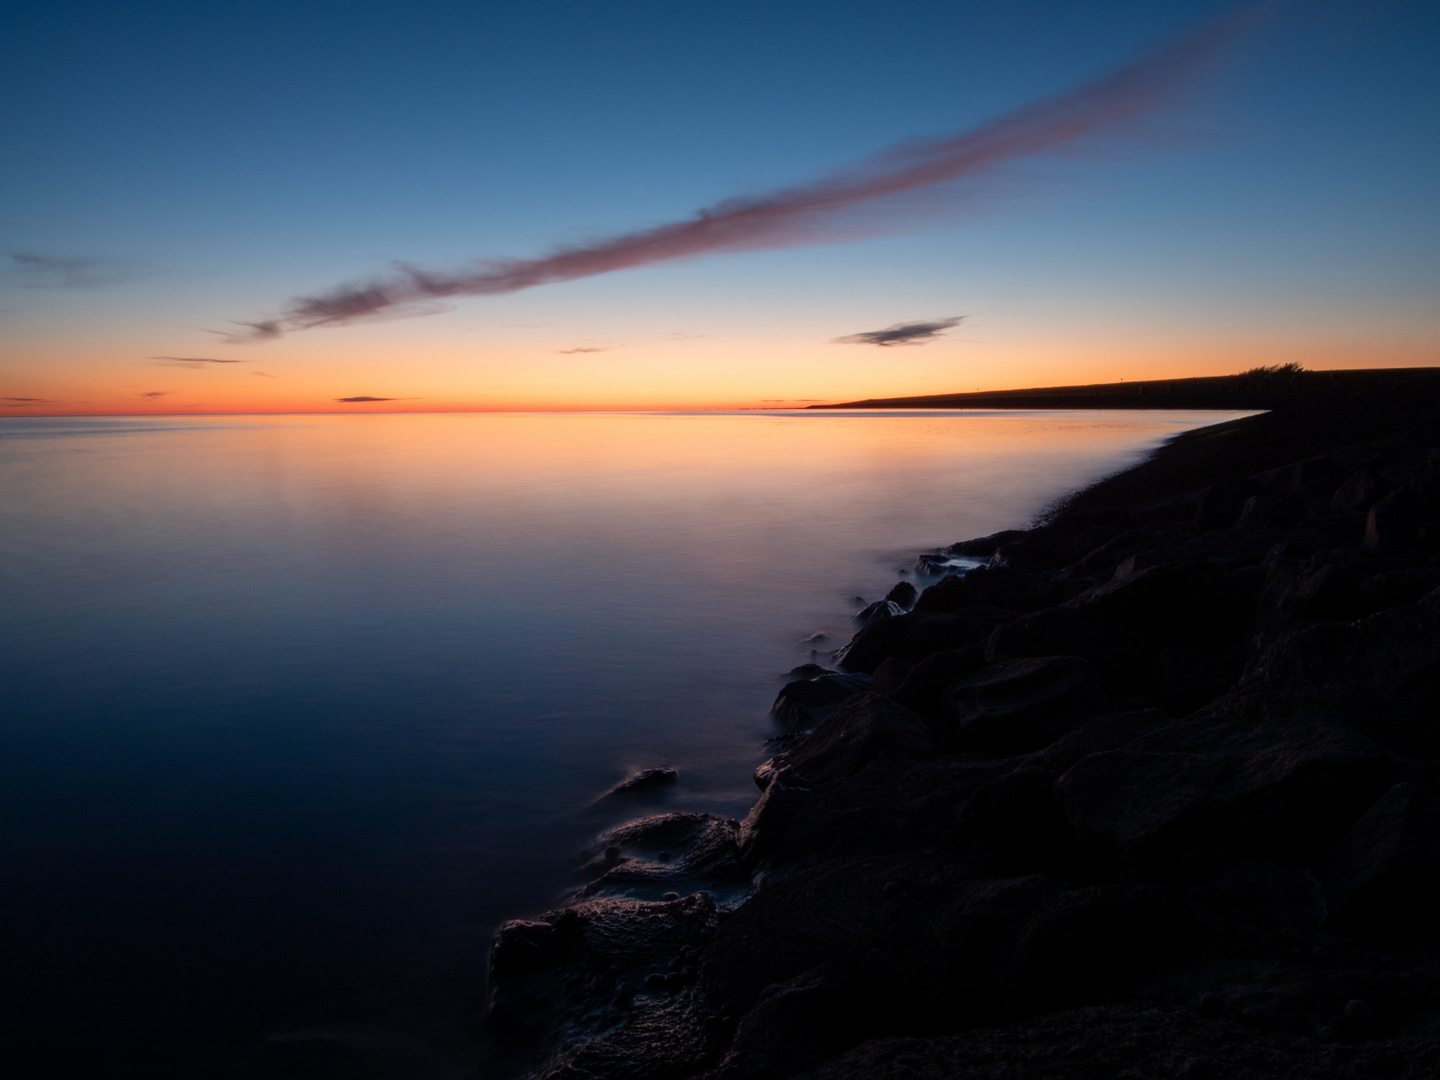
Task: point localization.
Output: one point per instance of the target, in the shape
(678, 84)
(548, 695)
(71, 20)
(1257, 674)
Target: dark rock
(797, 1023)
(1357, 491)
(807, 671)
(698, 850)
(923, 686)
(1330, 592)
(1195, 605)
(1221, 503)
(646, 781)
(1092, 942)
(1017, 818)
(1015, 706)
(890, 675)
(1394, 521)
(880, 609)
(986, 545)
(764, 827)
(853, 736)
(805, 702)
(1383, 877)
(902, 594)
(1281, 784)
(916, 635)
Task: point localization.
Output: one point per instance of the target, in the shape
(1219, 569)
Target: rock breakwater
(1152, 792)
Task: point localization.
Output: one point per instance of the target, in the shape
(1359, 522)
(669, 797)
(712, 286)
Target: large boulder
(1016, 706)
(805, 702)
(1194, 605)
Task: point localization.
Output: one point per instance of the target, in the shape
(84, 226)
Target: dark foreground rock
(1153, 792)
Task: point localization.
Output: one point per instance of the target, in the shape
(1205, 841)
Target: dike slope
(1152, 792)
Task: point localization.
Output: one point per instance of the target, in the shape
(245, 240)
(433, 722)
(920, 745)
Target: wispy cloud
(809, 213)
(35, 271)
(916, 333)
(194, 363)
(20, 402)
(155, 395)
(356, 400)
(583, 349)
(264, 375)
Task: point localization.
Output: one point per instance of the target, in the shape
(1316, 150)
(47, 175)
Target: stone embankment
(1152, 792)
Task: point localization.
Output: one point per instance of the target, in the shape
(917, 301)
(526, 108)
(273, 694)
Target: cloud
(917, 333)
(264, 374)
(810, 213)
(152, 395)
(194, 363)
(583, 349)
(19, 402)
(34, 271)
(353, 400)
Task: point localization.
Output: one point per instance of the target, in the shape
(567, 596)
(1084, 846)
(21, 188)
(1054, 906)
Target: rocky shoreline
(1149, 789)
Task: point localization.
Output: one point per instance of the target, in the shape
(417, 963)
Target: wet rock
(807, 671)
(805, 702)
(880, 609)
(646, 781)
(663, 852)
(902, 594)
(1015, 706)
(1383, 877)
(797, 1023)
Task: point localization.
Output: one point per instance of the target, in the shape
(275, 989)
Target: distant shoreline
(1260, 389)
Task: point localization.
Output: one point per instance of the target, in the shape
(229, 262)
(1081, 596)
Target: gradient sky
(173, 170)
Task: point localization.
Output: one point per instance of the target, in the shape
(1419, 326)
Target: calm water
(297, 709)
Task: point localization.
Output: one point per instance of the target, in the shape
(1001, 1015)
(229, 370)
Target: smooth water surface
(296, 709)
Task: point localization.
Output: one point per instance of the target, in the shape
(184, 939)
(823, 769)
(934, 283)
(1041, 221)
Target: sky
(330, 207)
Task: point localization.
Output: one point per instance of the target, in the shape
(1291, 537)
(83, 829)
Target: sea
(296, 710)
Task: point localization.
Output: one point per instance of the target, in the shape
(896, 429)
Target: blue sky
(200, 163)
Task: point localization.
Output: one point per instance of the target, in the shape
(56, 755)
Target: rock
(797, 1023)
(880, 609)
(807, 671)
(1357, 491)
(917, 634)
(1382, 879)
(857, 732)
(646, 781)
(1395, 520)
(1281, 784)
(1330, 592)
(1221, 503)
(805, 702)
(764, 827)
(1191, 605)
(890, 675)
(1017, 818)
(902, 594)
(664, 852)
(1015, 706)
(1089, 943)
(921, 691)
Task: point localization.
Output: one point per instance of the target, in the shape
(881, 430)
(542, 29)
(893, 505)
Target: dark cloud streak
(34, 271)
(917, 333)
(809, 213)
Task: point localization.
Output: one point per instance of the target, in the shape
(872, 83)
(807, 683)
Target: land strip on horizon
(1259, 389)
